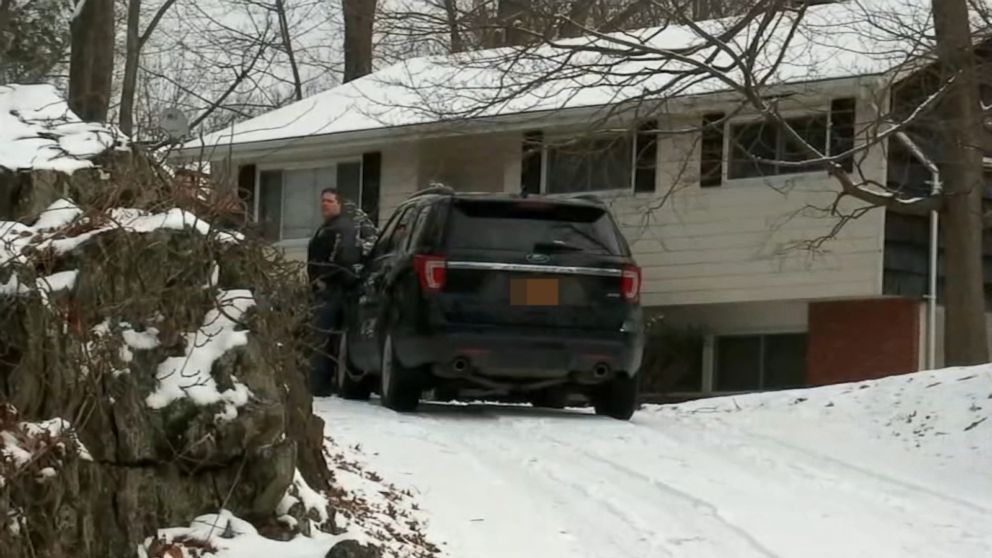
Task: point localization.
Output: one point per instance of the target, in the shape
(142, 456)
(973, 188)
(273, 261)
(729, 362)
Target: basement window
(759, 362)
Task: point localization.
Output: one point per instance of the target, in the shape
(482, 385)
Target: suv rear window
(532, 225)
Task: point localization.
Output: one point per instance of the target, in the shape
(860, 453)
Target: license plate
(534, 292)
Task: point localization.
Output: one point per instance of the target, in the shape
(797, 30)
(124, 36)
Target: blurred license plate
(534, 292)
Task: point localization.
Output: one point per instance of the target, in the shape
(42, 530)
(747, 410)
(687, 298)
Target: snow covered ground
(900, 467)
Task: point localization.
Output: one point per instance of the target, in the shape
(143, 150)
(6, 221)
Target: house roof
(850, 38)
(39, 132)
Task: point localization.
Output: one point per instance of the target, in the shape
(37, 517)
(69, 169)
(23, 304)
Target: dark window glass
(532, 226)
(711, 151)
(270, 204)
(785, 361)
(738, 363)
(814, 132)
(590, 165)
(748, 142)
(756, 146)
(756, 362)
(842, 114)
(645, 173)
(349, 181)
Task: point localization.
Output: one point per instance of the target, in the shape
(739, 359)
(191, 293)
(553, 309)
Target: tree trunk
(454, 33)
(359, 17)
(287, 44)
(91, 63)
(577, 16)
(130, 83)
(509, 16)
(965, 340)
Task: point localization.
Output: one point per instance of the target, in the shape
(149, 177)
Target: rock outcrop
(174, 351)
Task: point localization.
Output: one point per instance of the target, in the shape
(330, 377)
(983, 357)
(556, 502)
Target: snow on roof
(852, 38)
(38, 131)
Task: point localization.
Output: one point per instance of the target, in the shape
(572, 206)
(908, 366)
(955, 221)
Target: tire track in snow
(710, 510)
(514, 463)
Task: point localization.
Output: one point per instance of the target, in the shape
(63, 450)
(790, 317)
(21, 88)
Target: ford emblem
(538, 258)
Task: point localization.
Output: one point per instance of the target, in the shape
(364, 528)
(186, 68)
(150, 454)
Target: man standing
(331, 255)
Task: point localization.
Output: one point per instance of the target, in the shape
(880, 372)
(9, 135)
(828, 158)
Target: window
(525, 226)
(397, 232)
(646, 157)
(289, 199)
(759, 362)
(753, 144)
(590, 165)
(711, 151)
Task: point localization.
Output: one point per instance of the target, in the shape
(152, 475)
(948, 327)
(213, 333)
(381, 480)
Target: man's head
(330, 203)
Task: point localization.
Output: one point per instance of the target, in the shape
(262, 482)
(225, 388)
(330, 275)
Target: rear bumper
(524, 354)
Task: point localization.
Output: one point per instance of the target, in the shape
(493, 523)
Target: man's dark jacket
(331, 255)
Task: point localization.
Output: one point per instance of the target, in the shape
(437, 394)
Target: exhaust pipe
(601, 370)
(460, 365)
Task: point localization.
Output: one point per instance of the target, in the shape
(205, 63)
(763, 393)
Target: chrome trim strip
(562, 270)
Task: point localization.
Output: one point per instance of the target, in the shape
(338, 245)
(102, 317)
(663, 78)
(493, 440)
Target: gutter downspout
(936, 188)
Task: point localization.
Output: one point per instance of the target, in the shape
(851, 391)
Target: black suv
(499, 294)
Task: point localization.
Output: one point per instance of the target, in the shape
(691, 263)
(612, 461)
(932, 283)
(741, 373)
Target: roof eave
(376, 137)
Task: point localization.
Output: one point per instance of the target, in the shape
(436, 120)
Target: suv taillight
(630, 283)
(432, 271)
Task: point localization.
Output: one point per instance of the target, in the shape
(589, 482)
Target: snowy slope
(897, 467)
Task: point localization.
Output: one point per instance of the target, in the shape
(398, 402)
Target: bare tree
(34, 39)
(136, 40)
(966, 341)
(91, 66)
(359, 19)
(287, 44)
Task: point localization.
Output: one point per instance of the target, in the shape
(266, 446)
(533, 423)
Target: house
(740, 250)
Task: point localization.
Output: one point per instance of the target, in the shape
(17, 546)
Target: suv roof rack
(438, 189)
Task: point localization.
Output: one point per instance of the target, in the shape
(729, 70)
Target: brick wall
(862, 339)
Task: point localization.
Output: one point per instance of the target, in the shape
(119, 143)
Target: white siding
(746, 239)
(469, 163)
(399, 178)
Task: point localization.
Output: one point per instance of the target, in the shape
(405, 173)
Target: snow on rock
(299, 492)
(60, 214)
(222, 535)
(49, 232)
(41, 445)
(130, 340)
(38, 131)
(189, 376)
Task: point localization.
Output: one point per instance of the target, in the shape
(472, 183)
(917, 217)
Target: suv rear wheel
(617, 398)
(348, 387)
(401, 386)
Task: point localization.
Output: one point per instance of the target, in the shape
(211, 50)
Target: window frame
(307, 165)
(629, 135)
(711, 361)
(729, 145)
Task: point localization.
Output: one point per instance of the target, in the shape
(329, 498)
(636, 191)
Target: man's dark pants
(327, 321)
